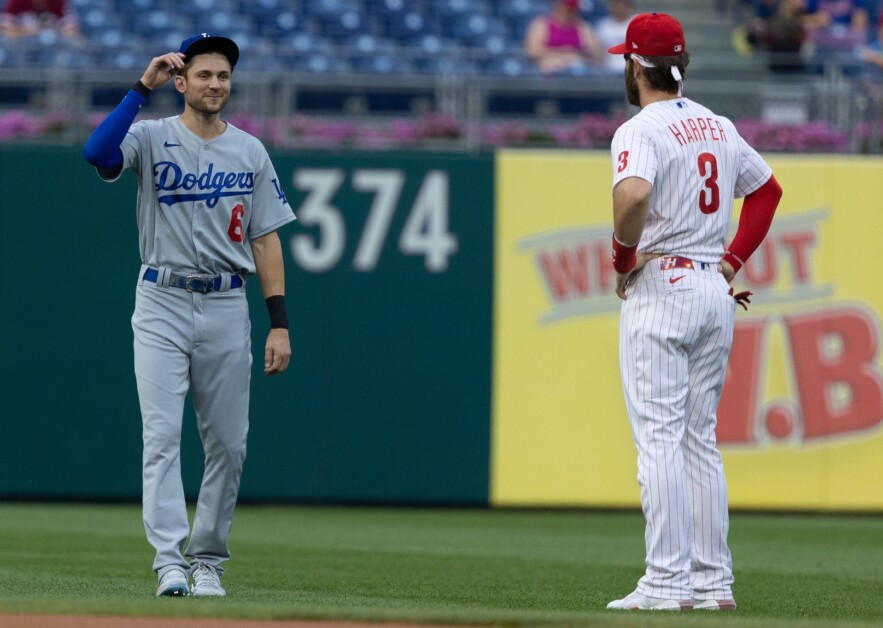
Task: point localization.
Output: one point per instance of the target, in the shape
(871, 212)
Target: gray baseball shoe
(635, 601)
(714, 605)
(173, 583)
(206, 581)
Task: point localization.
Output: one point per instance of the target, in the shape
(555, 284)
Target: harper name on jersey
(698, 130)
(170, 177)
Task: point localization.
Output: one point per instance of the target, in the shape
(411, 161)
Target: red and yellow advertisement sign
(800, 423)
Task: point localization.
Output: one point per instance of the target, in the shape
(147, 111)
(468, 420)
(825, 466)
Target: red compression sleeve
(754, 223)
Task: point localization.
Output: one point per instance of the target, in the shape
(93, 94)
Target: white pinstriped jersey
(698, 163)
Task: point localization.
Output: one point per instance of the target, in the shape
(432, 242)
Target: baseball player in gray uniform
(209, 204)
(677, 168)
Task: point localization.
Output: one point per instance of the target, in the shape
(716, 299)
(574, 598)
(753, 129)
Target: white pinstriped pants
(675, 339)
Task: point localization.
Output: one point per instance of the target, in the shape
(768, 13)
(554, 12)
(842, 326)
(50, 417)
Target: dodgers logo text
(210, 186)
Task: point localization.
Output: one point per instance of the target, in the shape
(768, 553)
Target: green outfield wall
(389, 283)
(454, 336)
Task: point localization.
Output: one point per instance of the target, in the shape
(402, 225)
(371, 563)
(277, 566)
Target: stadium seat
(496, 45)
(517, 27)
(111, 39)
(510, 66)
(444, 65)
(171, 40)
(125, 59)
(304, 45)
(7, 55)
(318, 63)
(594, 10)
(407, 25)
(434, 45)
(140, 6)
(155, 22)
(218, 22)
(387, 7)
(94, 19)
(281, 25)
(472, 30)
(459, 8)
(265, 7)
(330, 8)
(383, 64)
(11, 57)
(367, 45)
(522, 8)
(206, 7)
(341, 26)
(80, 6)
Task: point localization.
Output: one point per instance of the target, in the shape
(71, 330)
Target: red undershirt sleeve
(754, 222)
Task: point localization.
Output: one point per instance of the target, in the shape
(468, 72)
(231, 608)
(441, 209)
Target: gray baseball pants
(201, 342)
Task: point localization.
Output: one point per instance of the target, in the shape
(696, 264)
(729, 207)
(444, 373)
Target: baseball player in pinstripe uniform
(209, 205)
(677, 168)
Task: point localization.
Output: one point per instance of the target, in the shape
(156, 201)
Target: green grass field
(449, 566)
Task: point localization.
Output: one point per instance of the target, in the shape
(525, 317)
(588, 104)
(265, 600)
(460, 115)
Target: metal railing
(537, 102)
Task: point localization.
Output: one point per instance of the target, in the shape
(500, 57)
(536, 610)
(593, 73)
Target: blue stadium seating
(436, 37)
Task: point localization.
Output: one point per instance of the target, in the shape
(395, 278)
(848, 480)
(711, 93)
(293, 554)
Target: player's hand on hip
(623, 280)
(161, 69)
(277, 352)
(728, 271)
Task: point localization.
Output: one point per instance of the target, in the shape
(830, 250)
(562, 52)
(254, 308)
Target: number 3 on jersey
(709, 195)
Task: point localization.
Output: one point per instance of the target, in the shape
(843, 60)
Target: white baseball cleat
(206, 581)
(635, 601)
(173, 583)
(714, 605)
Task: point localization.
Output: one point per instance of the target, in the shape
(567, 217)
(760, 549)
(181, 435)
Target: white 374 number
(425, 231)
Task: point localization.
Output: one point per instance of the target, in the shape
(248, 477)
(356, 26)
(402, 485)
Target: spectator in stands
(562, 39)
(784, 36)
(749, 35)
(23, 18)
(837, 26)
(611, 30)
(872, 54)
(871, 57)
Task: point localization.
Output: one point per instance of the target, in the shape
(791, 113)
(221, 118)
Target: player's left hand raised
(277, 352)
(162, 69)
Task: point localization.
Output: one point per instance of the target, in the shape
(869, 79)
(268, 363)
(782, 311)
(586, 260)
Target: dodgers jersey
(697, 163)
(201, 202)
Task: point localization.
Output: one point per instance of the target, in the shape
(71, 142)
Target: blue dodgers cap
(198, 44)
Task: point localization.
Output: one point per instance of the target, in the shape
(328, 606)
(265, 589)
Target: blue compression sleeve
(102, 149)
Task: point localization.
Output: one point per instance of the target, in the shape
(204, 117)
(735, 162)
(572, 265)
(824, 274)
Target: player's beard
(632, 93)
(202, 103)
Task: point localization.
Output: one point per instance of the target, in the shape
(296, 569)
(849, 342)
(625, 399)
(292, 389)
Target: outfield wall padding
(454, 335)
(389, 286)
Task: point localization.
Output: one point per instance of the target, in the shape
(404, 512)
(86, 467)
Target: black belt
(194, 283)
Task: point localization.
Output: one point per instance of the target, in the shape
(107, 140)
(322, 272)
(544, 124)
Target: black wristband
(141, 88)
(276, 308)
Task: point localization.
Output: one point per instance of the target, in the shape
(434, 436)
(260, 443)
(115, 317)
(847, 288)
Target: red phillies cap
(652, 35)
